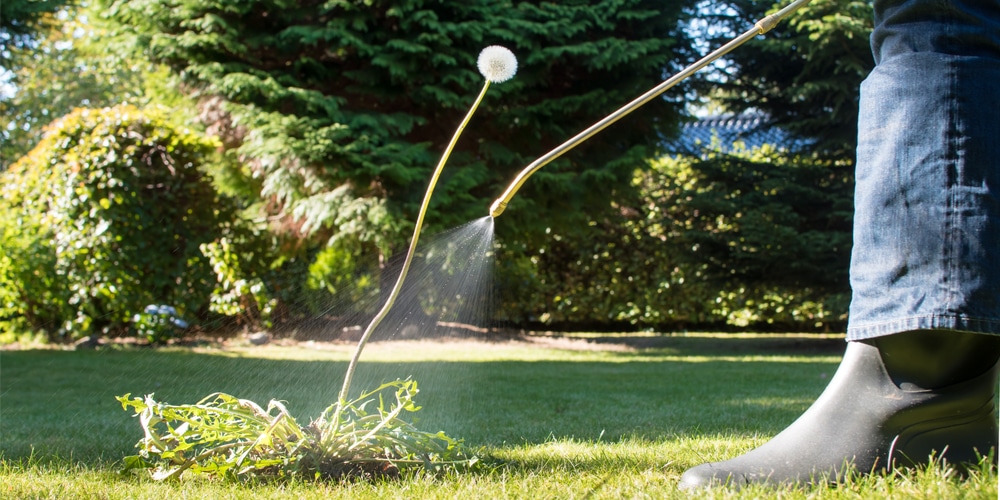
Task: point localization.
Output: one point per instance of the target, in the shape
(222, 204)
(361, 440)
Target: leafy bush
(237, 293)
(754, 238)
(771, 228)
(158, 323)
(340, 272)
(116, 201)
(31, 299)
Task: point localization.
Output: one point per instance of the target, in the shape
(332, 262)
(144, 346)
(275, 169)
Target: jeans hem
(927, 322)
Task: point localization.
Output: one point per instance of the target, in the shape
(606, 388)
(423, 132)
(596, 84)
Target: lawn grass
(547, 422)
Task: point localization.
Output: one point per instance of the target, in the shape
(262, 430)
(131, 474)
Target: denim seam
(952, 240)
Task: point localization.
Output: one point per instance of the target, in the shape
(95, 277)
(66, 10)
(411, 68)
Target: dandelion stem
(409, 254)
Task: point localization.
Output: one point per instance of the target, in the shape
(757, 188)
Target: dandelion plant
(497, 64)
(366, 437)
(224, 436)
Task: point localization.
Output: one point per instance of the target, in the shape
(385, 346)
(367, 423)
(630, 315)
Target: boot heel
(960, 440)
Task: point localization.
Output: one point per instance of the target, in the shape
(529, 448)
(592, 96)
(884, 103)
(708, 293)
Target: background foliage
(319, 122)
(752, 237)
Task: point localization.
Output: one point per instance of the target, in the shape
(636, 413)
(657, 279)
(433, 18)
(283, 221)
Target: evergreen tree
(804, 74)
(342, 107)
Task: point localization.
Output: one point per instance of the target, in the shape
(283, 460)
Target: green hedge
(105, 217)
(754, 238)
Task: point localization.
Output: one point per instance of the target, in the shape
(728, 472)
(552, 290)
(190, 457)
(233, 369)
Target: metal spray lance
(762, 26)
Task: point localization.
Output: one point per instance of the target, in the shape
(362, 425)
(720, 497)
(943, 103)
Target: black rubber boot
(892, 403)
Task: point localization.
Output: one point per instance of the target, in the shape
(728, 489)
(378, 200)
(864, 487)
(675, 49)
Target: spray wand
(762, 26)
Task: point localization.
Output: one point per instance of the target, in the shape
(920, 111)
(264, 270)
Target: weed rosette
(224, 436)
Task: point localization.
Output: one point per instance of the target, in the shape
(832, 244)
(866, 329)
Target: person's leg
(927, 192)
(920, 371)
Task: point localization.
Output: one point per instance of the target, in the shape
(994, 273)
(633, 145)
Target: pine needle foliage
(341, 107)
(804, 75)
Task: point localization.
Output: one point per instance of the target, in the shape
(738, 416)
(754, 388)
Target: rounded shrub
(119, 200)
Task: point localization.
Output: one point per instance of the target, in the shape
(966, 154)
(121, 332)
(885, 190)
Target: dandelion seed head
(498, 64)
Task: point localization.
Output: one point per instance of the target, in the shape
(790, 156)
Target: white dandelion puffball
(497, 63)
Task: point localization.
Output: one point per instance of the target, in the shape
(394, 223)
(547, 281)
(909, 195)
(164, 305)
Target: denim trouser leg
(927, 202)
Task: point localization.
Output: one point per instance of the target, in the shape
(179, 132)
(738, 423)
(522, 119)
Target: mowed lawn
(588, 416)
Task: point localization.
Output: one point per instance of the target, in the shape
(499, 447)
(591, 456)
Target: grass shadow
(706, 344)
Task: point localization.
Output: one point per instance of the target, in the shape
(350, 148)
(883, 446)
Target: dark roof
(752, 130)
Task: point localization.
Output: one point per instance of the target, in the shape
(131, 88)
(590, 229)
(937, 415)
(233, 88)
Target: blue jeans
(926, 249)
